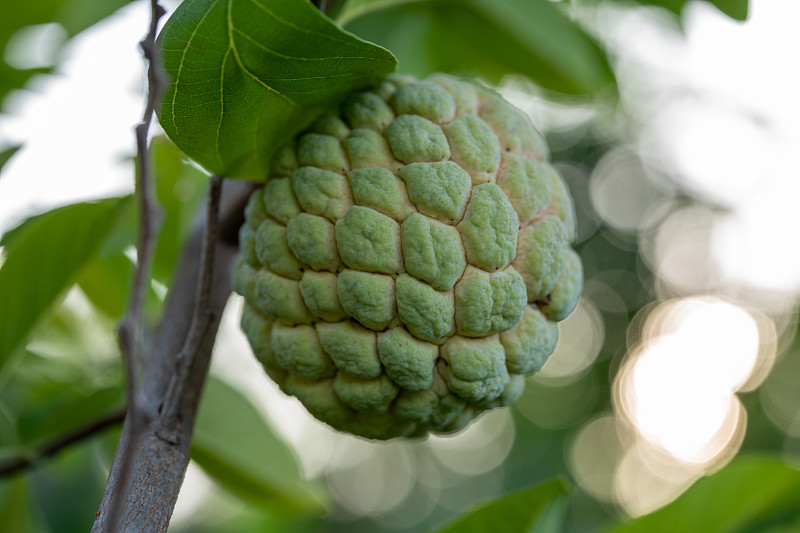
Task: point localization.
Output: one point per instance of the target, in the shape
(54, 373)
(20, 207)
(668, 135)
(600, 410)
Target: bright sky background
(77, 126)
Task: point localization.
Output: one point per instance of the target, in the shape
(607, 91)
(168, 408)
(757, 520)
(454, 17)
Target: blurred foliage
(7, 154)
(736, 9)
(519, 511)
(64, 280)
(180, 190)
(72, 15)
(751, 494)
(230, 443)
(42, 259)
(485, 39)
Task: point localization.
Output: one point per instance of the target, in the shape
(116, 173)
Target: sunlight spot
(594, 455)
(678, 387)
(479, 448)
(372, 479)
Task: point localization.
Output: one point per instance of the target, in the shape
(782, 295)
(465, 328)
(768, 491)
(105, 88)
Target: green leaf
(106, 281)
(553, 516)
(736, 9)
(66, 411)
(486, 39)
(181, 189)
(513, 513)
(16, 509)
(9, 436)
(247, 75)
(7, 154)
(68, 378)
(235, 445)
(744, 496)
(43, 259)
(353, 9)
(675, 6)
(68, 486)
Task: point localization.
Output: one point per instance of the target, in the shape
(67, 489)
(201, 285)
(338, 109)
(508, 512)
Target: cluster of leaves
(245, 77)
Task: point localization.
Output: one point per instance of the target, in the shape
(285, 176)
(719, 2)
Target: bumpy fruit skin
(405, 263)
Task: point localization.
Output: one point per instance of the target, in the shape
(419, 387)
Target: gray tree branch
(130, 329)
(158, 464)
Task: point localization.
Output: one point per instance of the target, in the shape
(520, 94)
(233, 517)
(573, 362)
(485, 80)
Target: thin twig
(95, 426)
(169, 419)
(130, 330)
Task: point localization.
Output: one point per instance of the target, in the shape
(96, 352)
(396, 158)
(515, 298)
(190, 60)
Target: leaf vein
(221, 104)
(296, 27)
(183, 51)
(300, 58)
(232, 46)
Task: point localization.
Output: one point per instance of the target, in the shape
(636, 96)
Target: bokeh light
(676, 414)
(623, 192)
(678, 387)
(35, 46)
(752, 243)
(594, 456)
(368, 479)
(479, 449)
(581, 336)
(678, 251)
(677, 392)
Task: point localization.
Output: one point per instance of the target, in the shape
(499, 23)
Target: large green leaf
(745, 496)
(235, 445)
(247, 75)
(488, 39)
(43, 259)
(514, 513)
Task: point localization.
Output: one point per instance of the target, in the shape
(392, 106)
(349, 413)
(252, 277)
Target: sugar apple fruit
(405, 263)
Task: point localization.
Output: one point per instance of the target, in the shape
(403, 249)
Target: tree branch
(169, 419)
(130, 329)
(158, 465)
(92, 428)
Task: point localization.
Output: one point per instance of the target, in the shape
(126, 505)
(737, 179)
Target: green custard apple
(404, 266)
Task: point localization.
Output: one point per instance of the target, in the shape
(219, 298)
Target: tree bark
(159, 461)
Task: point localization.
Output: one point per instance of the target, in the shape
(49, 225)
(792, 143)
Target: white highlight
(680, 388)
